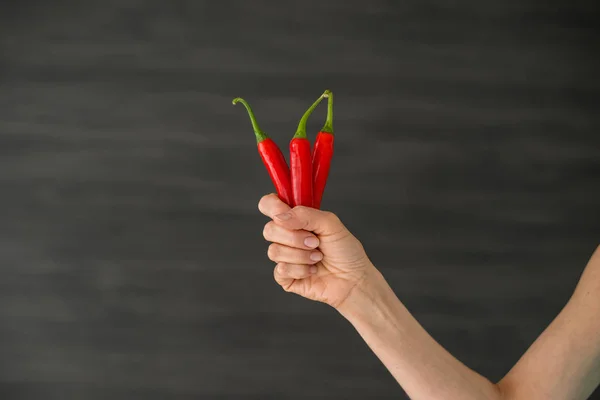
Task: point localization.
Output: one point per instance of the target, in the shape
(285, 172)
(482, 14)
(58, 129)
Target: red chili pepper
(322, 154)
(301, 161)
(272, 158)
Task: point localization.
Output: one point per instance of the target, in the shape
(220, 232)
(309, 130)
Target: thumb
(310, 219)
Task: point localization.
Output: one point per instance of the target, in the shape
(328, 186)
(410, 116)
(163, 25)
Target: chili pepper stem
(328, 127)
(301, 131)
(260, 135)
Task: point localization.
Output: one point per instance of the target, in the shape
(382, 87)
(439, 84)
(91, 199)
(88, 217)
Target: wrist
(364, 298)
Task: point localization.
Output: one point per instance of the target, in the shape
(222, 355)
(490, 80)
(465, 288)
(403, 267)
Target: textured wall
(131, 254)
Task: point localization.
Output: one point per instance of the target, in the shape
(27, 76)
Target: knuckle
(334, 221)
(261, 202)
(283, 269)
(265, 196)
(264, 201)
(268, 230)
(301, 209)
(273, 251)
(279, 276)
(331, 217)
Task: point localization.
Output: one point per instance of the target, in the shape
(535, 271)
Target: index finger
(271, 205)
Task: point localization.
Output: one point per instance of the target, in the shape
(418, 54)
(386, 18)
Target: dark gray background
(132, 258)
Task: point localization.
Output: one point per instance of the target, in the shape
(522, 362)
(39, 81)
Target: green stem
(328, 127)
(260, 135)
(301, 132)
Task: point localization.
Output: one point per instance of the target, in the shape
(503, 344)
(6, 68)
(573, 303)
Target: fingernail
(316, 256)
(284, 216)
(313, 269)
(311, 241)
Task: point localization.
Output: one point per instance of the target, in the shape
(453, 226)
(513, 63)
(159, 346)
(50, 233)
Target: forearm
(423, 368)
(564, 361)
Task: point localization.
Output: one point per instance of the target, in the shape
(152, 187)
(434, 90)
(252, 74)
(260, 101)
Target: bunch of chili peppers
(303, 182)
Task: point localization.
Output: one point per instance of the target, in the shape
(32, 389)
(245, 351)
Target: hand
(316, 256)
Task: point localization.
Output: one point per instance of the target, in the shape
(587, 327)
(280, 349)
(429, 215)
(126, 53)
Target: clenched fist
(316, 256)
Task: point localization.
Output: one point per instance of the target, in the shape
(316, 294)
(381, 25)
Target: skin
(563, 363)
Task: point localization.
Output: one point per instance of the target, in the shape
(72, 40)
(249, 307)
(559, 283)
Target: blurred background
(131, 254)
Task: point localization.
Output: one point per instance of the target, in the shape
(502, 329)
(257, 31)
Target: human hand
(339, 260)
